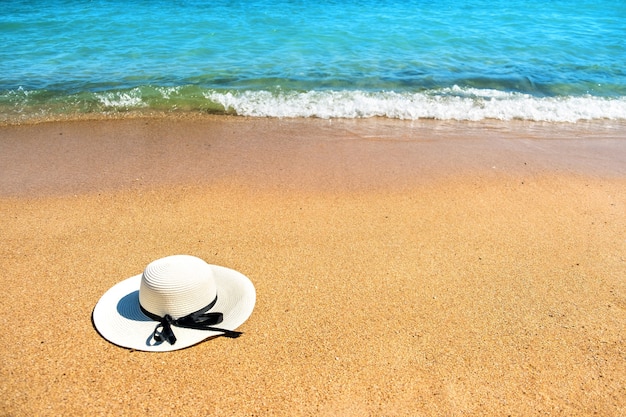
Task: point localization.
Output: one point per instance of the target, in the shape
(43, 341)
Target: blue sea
(561, 60)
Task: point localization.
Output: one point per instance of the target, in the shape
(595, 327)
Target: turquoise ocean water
(410, 59)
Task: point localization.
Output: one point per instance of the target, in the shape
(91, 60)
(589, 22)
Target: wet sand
(401, 268)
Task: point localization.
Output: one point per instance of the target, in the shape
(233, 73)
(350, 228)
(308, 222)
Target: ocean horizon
(558, 61)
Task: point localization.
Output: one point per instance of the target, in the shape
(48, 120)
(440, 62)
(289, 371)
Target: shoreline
(90, 155)
(401, 268)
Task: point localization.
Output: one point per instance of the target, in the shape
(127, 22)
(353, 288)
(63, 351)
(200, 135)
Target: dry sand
(401, 268)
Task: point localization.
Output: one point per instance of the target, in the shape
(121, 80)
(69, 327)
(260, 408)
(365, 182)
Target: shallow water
(466, 60)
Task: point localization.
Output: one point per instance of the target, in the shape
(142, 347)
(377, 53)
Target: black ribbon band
(200, 320)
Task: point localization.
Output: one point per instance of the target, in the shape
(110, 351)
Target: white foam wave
(131, 99)
(453, 103)
(167, 92)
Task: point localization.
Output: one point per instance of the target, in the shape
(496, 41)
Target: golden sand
(401, 268)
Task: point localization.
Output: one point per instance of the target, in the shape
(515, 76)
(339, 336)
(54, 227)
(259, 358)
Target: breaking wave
(453, 103)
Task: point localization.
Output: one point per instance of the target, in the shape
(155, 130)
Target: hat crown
(177, 285)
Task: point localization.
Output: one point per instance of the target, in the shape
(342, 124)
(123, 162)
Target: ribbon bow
(199, 320)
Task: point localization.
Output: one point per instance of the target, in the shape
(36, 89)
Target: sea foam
(453, 103)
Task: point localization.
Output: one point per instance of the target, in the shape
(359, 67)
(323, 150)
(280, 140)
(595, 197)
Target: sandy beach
(402, 268)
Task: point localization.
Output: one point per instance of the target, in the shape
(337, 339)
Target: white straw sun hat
(177, 302)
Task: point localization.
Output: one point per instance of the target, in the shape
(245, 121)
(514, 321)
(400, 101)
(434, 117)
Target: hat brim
(118, 318)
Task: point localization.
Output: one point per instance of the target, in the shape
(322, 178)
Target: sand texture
(401, 268)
